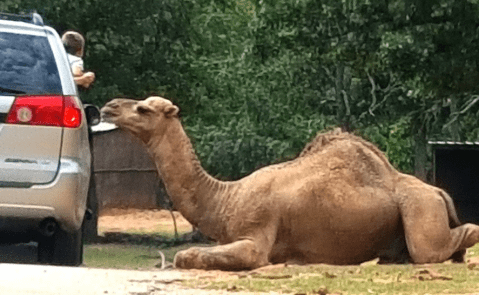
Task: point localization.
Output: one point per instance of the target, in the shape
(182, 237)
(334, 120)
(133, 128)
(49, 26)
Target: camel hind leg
(426, 220)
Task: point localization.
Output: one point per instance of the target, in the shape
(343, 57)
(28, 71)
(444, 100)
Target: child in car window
(74, 45)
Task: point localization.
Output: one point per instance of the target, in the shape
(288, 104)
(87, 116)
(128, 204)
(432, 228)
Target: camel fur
(339, 202)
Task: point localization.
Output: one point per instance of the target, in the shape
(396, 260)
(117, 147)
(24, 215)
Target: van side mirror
(92, 113)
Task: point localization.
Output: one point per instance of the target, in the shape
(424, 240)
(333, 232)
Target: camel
(339, 202)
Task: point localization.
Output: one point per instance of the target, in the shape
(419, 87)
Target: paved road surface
(19, 275)
(24, 279)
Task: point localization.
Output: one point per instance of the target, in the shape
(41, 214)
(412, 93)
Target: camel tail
(451, 210)
(459, 256)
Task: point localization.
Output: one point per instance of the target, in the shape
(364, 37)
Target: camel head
(141, 118)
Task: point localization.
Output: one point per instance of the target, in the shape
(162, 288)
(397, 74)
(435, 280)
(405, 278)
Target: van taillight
(45, 110)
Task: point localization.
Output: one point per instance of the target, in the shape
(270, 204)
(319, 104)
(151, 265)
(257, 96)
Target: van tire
(63, 248)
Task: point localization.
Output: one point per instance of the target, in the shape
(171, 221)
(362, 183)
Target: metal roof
(459, 143)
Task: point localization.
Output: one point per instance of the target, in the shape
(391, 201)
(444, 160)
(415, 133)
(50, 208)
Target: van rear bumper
(63, 199)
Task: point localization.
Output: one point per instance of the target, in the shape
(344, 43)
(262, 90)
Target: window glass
(27, 65)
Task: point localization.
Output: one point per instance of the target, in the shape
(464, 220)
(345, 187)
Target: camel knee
(461, 238)
(470, 235)
(188, 259)
(429, 257)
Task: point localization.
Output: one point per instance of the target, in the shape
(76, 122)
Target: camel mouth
(107, 115)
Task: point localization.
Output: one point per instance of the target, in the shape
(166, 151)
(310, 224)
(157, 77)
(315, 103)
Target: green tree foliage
(257, 79)
(384, 64)
(135, 48)
(253, 109)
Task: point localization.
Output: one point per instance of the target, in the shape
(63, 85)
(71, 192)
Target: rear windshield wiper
(13, 91)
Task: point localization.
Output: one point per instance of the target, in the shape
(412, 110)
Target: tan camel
(339, 202)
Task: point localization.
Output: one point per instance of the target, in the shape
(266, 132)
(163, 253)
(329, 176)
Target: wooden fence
(125, 175)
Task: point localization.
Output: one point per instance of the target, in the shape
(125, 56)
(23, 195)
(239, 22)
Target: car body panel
(58, 200)
(29, 154)
(44, 170)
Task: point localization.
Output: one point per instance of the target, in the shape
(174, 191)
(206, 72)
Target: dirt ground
(141, 220)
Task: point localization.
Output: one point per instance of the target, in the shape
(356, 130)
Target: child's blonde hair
(73, 42)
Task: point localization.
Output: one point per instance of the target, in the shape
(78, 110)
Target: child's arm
(85, 80)
(81, 78)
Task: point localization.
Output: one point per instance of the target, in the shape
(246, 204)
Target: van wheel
(63, 248)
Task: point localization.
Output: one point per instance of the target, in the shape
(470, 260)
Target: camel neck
(192, 190)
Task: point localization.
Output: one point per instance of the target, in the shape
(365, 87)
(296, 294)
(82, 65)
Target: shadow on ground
(27, 253)
(19, 253)
(151, 239)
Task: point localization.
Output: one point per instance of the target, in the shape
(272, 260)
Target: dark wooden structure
(456, 170)
(125, 175)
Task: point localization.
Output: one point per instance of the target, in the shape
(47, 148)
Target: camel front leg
(244, 254)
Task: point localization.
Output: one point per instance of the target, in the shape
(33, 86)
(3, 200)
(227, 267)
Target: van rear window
(27, 65)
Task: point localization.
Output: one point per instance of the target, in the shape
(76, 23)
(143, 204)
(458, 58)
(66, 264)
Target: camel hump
(323, 140)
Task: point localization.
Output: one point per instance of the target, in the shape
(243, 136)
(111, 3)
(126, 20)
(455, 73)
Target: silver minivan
(44, 145)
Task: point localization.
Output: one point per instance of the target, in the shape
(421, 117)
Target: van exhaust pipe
(48, 227)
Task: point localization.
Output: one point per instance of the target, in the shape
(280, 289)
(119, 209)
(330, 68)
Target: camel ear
(171, 111)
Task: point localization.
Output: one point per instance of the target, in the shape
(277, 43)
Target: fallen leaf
(384, 281)
(370, 262)
(309, 275)
(168, 281)
(322, 291)
(271, 277)
(398, 277)
(472, 262)
(358, 280)
(204, 286)
(329, 275)
(430, 275)
(270, 267)
(139, 281)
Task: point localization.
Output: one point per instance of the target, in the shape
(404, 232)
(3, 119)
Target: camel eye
(142, 110)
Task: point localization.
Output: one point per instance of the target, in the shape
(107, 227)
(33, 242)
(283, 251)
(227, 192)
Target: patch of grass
(378, 279)
(366, 279)
(138, 248)
(139, 257)
(120, 256)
